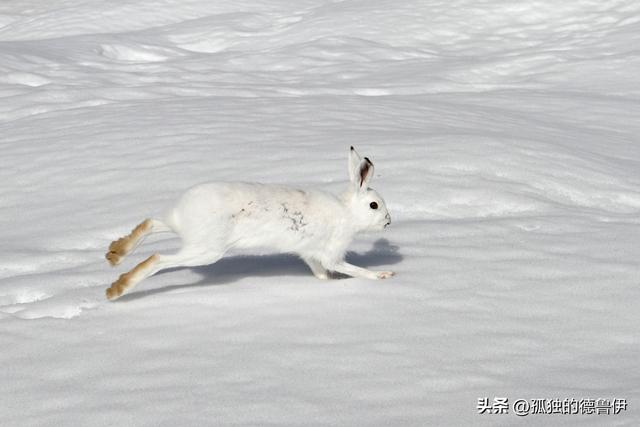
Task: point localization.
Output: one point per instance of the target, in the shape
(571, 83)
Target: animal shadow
(229, 269)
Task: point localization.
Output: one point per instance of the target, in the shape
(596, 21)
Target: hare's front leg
(355, 271)
(317, 269)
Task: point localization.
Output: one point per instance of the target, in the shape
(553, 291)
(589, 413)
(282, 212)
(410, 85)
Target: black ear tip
(352, 148)
(368, 161)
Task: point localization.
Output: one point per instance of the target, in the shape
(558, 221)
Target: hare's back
(238, 200)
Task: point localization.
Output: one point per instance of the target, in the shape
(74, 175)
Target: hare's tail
(122, 247)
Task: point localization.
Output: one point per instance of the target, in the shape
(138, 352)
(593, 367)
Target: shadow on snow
(232, 268)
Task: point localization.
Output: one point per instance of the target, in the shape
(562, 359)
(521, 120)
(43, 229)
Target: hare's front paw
(384, 274)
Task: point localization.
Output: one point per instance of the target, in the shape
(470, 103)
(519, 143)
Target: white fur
(318, 226)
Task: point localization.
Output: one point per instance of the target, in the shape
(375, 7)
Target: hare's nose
(388, 218)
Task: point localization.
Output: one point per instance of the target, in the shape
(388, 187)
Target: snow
(505, 139)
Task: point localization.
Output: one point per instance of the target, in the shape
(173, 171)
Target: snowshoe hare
(215, 217)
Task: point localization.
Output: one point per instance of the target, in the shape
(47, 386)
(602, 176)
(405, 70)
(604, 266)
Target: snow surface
(505, 139)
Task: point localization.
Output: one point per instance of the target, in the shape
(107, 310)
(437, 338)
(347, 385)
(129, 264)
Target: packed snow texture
(505, 140)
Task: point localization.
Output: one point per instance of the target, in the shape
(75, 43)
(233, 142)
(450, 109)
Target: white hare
(215, 217)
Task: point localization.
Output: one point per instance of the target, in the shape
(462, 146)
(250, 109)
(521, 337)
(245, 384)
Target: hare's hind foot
(190, 257)
(129, 279)
(117, 251)
(118, 287)
(122, 247)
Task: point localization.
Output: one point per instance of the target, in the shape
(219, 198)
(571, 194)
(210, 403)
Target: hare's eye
(373, 205)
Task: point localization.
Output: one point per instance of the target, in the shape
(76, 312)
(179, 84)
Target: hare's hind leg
(127, 244)
(155, 263)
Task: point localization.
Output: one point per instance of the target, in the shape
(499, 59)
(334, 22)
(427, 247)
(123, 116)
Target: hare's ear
(354, 163)
(365, 173)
